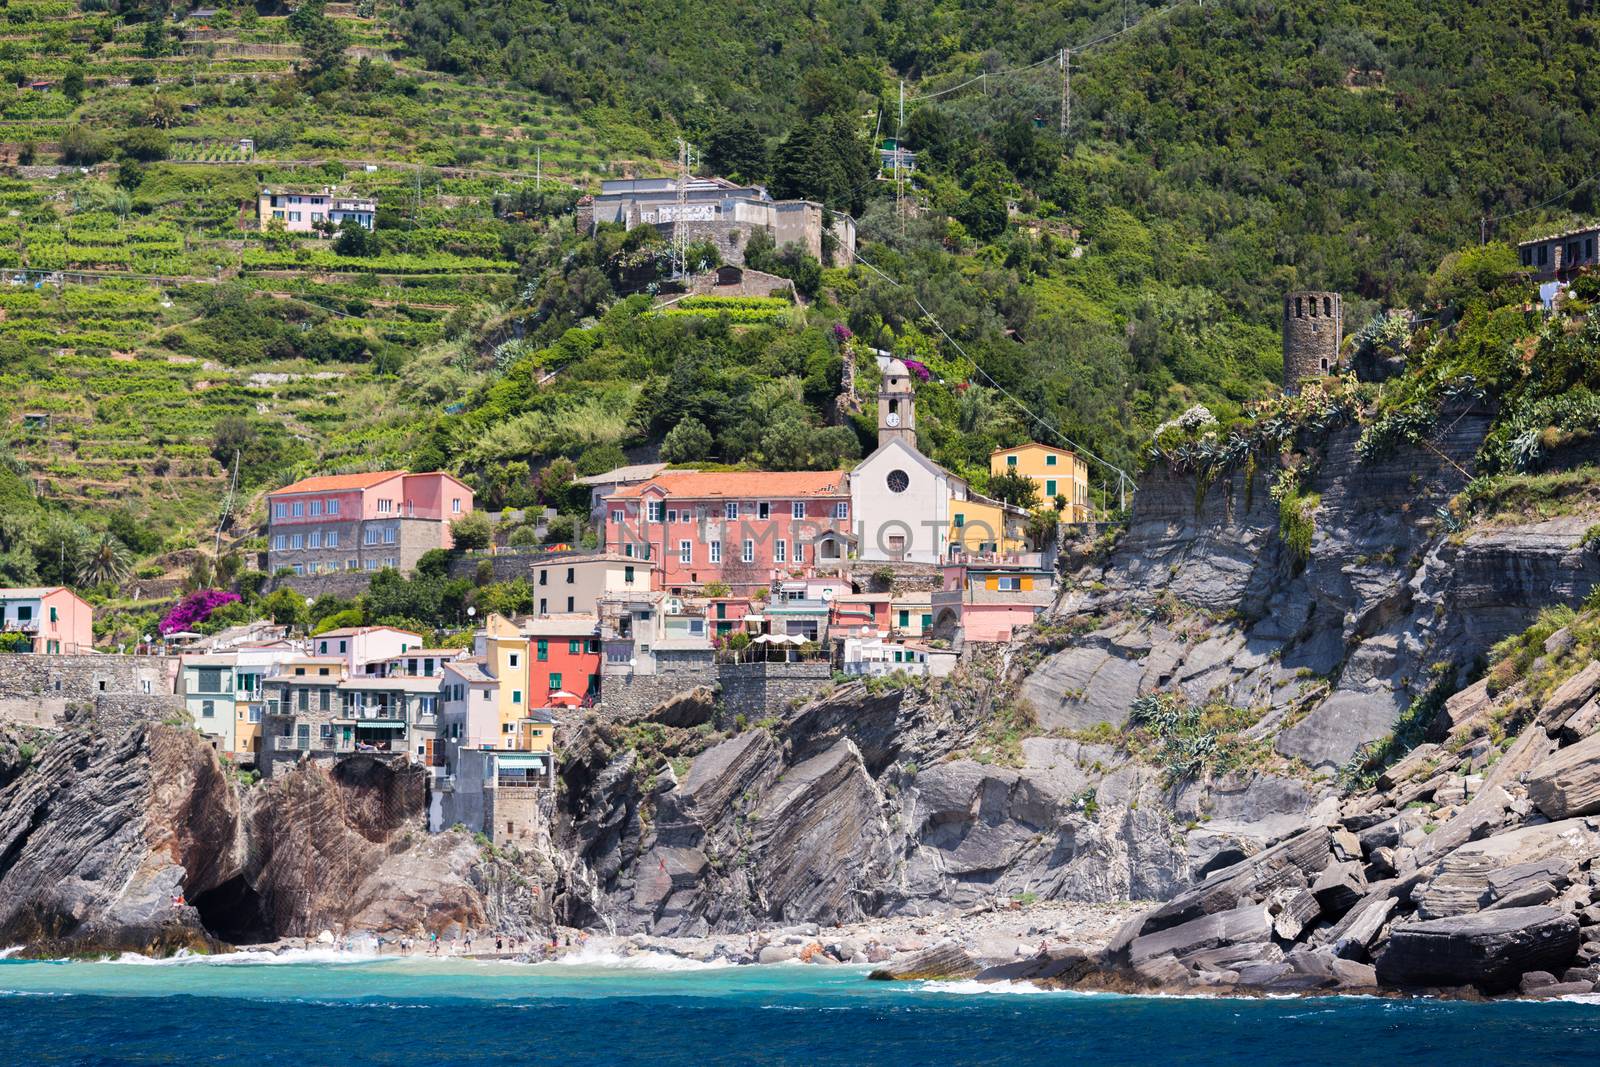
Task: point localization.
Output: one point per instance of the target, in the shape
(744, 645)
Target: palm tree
(107, 560)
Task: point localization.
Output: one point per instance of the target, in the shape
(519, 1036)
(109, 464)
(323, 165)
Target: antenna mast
(680, 235)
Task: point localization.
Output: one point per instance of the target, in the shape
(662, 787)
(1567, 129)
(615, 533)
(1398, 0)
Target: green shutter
(544, 650)
(1050, 489)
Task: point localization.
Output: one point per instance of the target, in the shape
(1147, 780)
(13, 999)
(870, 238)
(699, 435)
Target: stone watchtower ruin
(1311, 335)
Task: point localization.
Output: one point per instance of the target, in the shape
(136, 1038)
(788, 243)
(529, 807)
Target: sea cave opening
(234, 912)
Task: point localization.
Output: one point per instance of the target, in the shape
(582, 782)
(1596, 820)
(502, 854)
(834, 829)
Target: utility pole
(538, 168)
(899, 181)
(1066, 91)
(1483, 231)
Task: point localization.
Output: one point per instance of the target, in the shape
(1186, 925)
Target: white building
(873, 656)
(365, 649)
(899, 497)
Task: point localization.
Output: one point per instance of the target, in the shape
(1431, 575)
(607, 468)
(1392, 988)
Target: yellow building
(983, 526)
(504, 650)
(1056, 471)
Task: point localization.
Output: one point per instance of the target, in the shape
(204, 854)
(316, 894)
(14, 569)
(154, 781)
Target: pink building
(362, 521)
(986, 602)
(854, 612)
(310, 210)
(746, 529)
(366, 650)
(49, 620)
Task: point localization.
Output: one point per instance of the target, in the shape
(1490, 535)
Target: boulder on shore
(1568, 783)
(1491, 950)
(946, 961)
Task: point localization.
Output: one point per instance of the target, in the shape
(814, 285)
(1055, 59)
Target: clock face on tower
(893, 418)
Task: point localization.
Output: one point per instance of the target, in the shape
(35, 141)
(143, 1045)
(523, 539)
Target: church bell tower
(897, 406)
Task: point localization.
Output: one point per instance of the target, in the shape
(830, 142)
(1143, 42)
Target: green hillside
(1091, 285)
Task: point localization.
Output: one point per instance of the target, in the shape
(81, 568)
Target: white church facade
(899, 498)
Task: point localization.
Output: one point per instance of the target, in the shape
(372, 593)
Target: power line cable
(1124, 479)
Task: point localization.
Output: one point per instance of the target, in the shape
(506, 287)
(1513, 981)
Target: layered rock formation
(141, 842)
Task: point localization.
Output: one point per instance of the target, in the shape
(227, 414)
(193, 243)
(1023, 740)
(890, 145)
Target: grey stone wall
(642, 692)
(756, 690)
(113, 714)
(413, 537)
(908, 577)
(506, 564)
(515, 815)
(37, 690)
(344, 584)
(1312, 330)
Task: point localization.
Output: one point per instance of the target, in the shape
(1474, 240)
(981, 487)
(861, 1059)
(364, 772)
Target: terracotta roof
(327, 483)
(742, 485)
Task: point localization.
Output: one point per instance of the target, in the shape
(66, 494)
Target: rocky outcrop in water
(99, 838)
(142, 843)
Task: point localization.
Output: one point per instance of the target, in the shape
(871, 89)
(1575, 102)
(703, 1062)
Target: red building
(855, 612)
(746, 529)
(563, 654)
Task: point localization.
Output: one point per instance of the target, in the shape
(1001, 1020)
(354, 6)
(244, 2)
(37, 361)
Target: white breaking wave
(253, 956)
(973, 987)
(596, 956)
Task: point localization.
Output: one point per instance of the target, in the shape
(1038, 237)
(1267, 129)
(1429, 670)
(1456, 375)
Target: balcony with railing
(283, 743)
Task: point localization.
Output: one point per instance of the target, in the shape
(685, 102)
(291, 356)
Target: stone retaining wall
(641, 693)
(757, 690)
(37, 690)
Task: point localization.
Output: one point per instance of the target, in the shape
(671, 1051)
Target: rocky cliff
(1174, 731)
(143, 842)
(1188, 704)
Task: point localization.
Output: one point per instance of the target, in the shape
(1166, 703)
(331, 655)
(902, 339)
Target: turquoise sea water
(400, 1013)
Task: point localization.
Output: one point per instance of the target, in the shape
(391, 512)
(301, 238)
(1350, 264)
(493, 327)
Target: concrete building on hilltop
(720, 211)
(348, 522)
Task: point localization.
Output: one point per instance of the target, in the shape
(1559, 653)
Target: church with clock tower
(897, 405)
(900, 499)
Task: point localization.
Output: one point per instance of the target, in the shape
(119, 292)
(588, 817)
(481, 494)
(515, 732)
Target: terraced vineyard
(140, 304)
